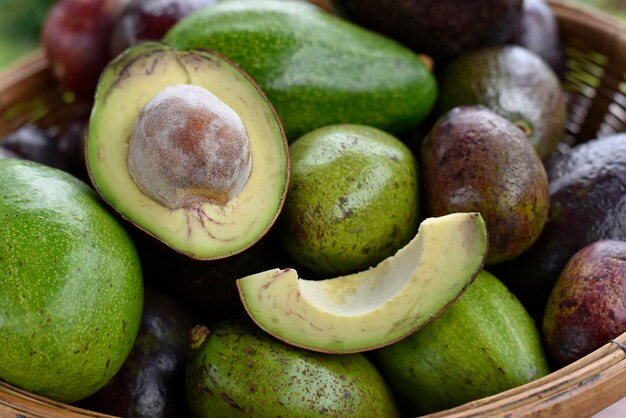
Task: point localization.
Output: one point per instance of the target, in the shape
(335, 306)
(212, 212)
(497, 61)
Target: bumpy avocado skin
(240, 371)
(151, 383)
(441, 28)
(587, 189)
(353, 199)
(483, 344)
(315, 68)
(587, 306)
(475, 160)
(513, 82)
(71, 291)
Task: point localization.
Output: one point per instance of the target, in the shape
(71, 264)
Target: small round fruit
(150, 19)
(587, 306)
(353, 199)
(71, 291)
(75, 38)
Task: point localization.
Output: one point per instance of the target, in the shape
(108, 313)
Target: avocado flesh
(377, 306)
(315, 68)
(207, 230)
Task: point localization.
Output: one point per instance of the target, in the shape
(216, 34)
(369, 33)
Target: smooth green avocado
(485, 343)
(237, 370)
(71, 290)
(186, 147)
(316, 68)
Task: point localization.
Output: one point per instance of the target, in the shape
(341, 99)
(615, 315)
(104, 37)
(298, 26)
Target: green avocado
(483, 344)
(513, 82)
(353, 199)
(71, 290)
(186, 147)
(237, 370)
(315, 68)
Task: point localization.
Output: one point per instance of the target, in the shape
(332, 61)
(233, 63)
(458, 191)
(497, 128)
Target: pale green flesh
(211, 230)
(377, 306)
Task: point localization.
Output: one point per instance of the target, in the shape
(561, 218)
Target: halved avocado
(378, 306)
(187, 147)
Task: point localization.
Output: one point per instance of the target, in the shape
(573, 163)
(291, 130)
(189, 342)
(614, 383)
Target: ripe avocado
(587, 187)
(353, 199)
(71, 290)
(477, 161)
(483, 344)
(315, 68)
(186, 147)
(442, 28)
(513, 82)
(239, 371)
(587, 306)
(151, 383)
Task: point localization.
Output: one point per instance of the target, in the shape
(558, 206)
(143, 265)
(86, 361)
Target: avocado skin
(71, 289)
(538, 31)
(587, 188)
(441, 28)
(587, 306)
(466, 353)
(240, 371)
(353, 199)
(151, 382)
(476, 161)
(513, 82)
(315, 68)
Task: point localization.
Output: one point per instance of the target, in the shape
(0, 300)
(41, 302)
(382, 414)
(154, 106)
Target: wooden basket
(595, 85)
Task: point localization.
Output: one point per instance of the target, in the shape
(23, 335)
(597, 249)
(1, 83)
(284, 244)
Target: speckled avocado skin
(240, 371)
(587, 189)
(71, 291)
(477, 161)
(513, 82)
(587, 306)
(483, 344)
(315, 68)
(353, 199)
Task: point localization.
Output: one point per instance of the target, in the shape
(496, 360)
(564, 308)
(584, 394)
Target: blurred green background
(20, 23)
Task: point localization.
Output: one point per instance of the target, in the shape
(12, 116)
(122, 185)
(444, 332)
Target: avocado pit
(188, 147)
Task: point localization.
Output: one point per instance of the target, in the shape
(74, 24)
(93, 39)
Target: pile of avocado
(407, 162)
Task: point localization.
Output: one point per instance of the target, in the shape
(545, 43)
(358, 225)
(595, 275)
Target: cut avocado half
(188, 148)
(378, 306)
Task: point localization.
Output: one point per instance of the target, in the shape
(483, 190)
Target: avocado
(239, 371)
(587, 306)
(151, 383)
(587, 184)
(538, 31)
(378, 306)
(353, 199)
(513, 82)
(71, 290)
(485, 343)
(315, 68)
(186, 147)
(476, 160)
(442, 28)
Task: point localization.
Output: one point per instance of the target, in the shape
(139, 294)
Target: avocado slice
(187, 147)
(378, 306)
